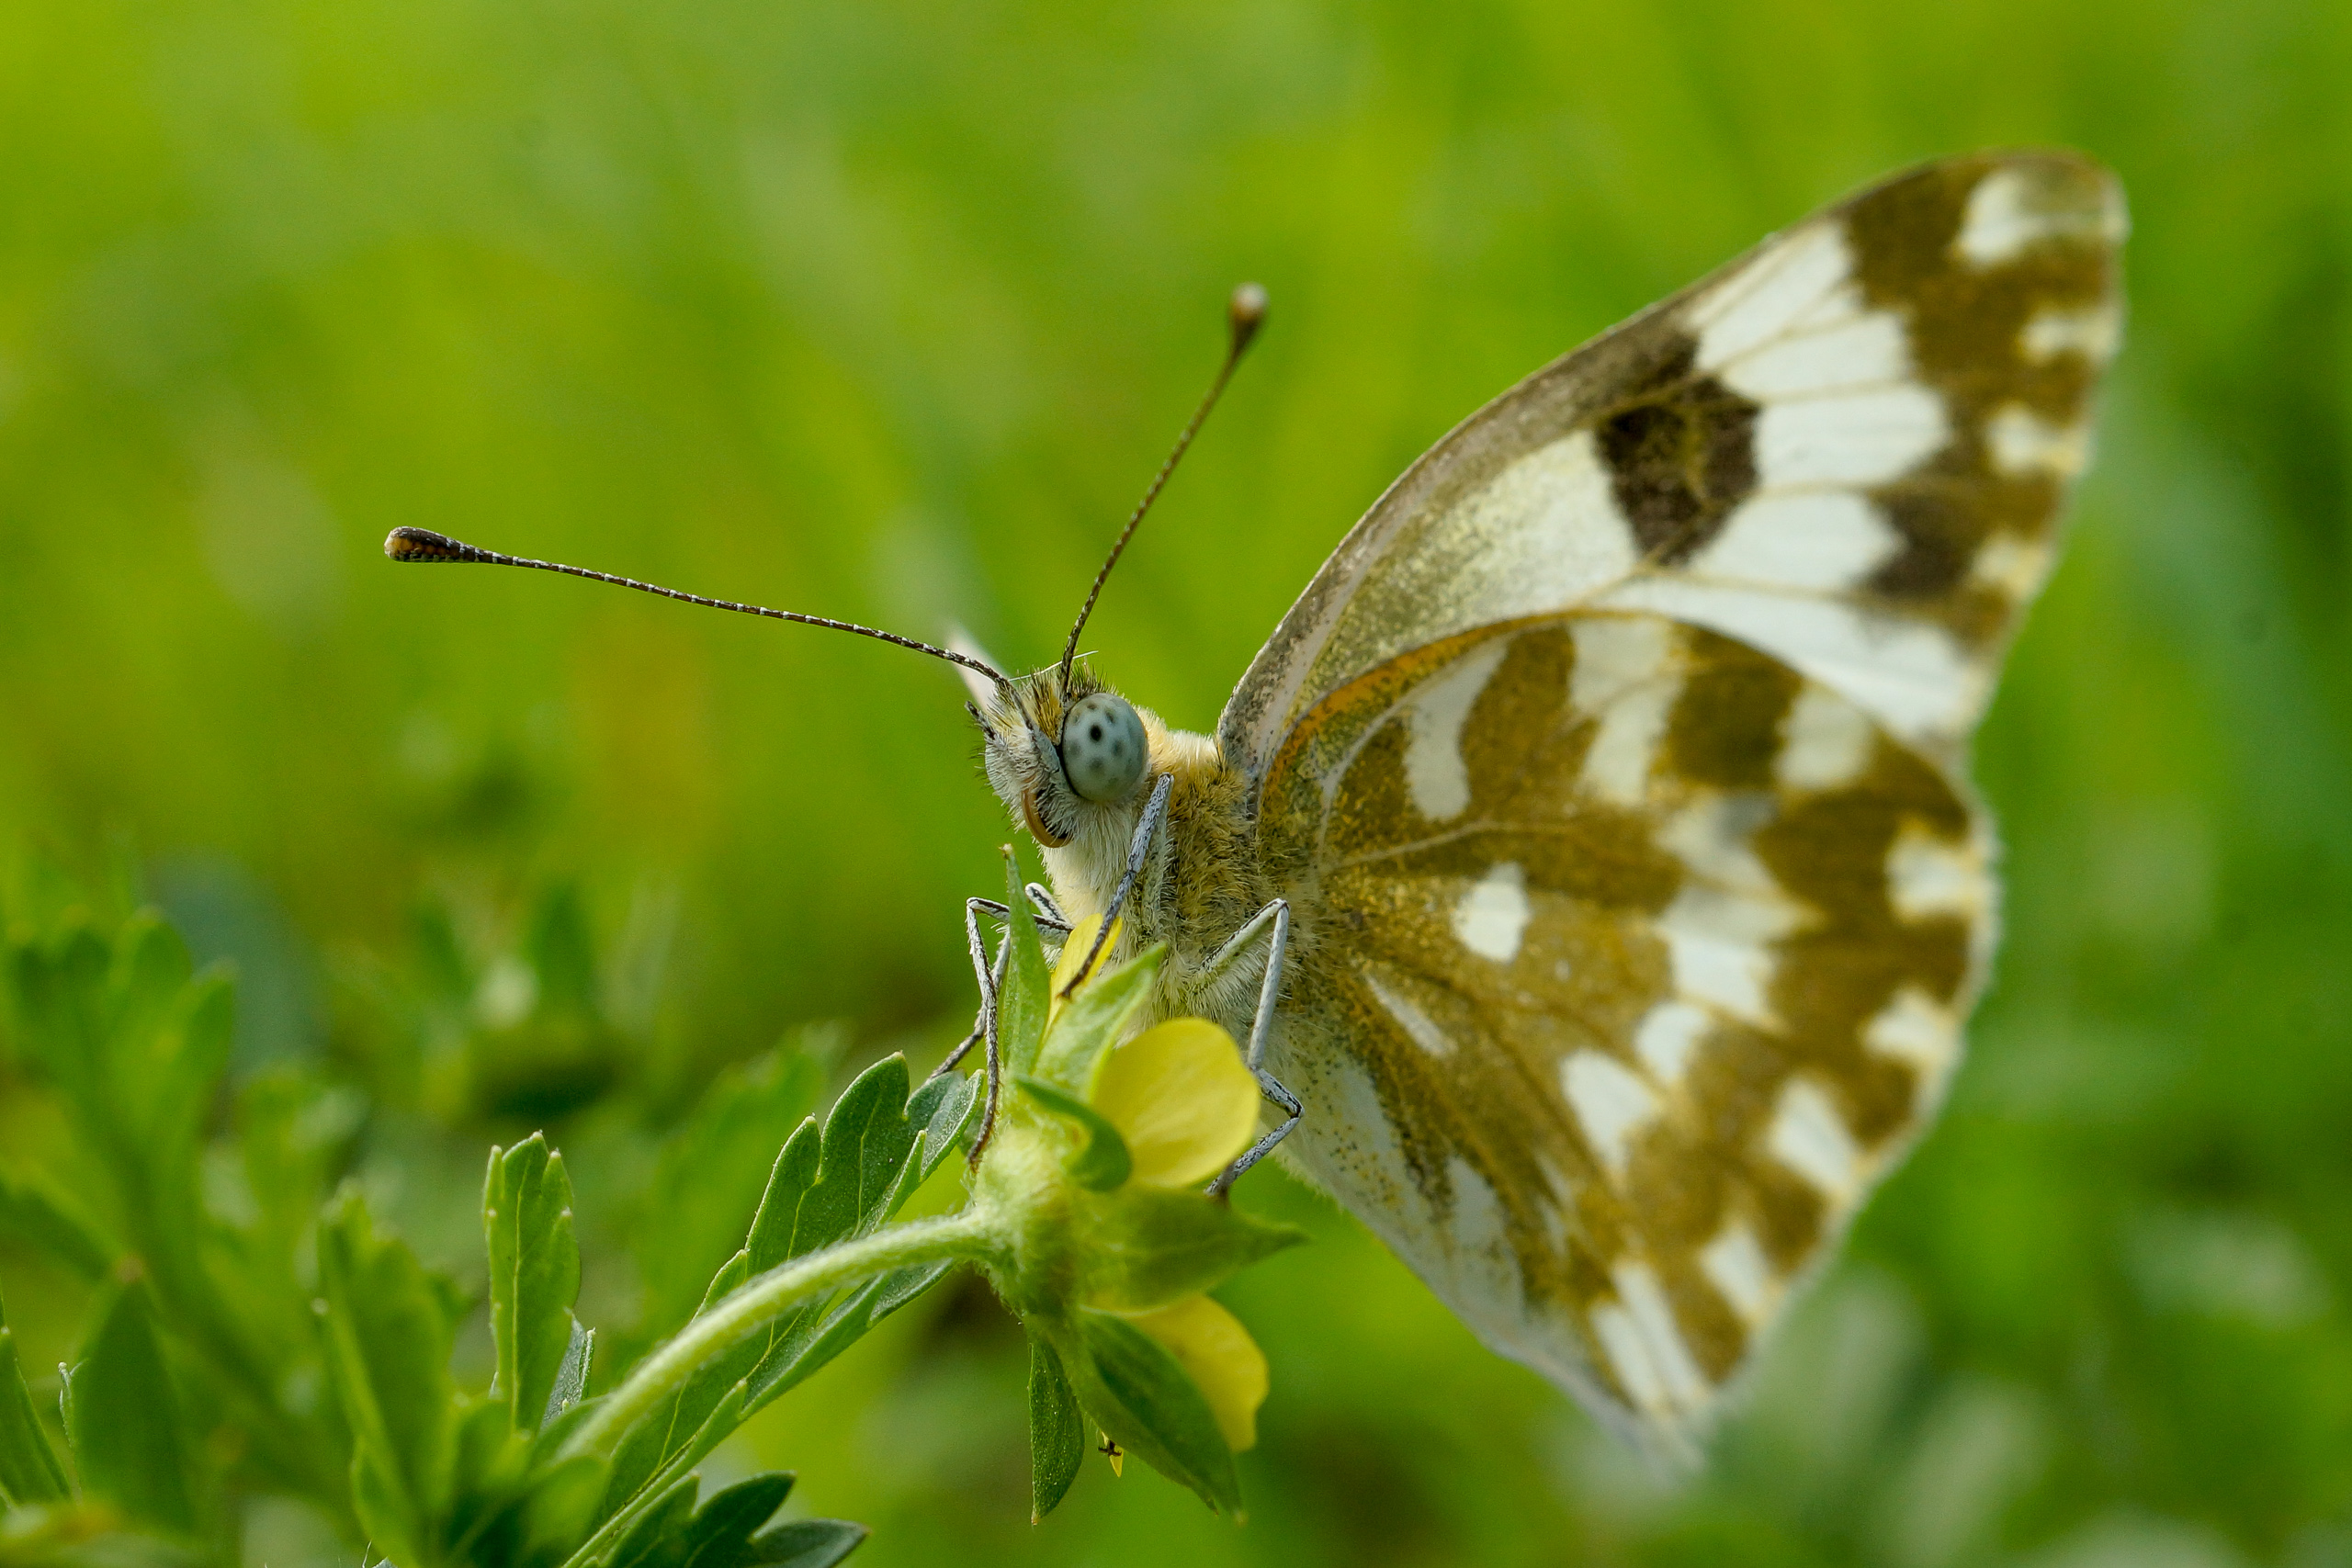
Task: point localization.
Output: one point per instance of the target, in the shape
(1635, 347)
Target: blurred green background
(887, 311)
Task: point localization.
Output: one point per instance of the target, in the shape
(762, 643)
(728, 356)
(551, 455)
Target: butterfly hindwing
(1612, 768)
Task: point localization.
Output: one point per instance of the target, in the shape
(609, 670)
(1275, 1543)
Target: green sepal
(1143, 1247)
(1092, 1021)
(1142, 1397)
(130, 1441)
(1100, 1164)
(1022, 1005)
(30, 1473)
(533, 1276)
(1057, 1431)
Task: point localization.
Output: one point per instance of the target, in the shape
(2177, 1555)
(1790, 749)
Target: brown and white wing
(1847, 448)
(1612, 766)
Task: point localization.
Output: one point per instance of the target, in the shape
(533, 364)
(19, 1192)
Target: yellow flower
(1187, 1106)
(1219, 1356)
(1180, 1097)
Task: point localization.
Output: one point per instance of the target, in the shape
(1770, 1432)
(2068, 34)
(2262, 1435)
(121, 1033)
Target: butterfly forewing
(1612, 768)
(1849, 449)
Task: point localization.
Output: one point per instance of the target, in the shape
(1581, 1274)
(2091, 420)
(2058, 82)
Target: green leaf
(944, 1108)
(1142, 1397)
(1092, 1021)
(707, 1185)
(388, 1343)
(1102, 1163)
(1145, 1246)
(130, 1439)
(1057, 1431)
(1022, 1005)
(828, 1184)
(652, 1541)
(28, 1469)
(806, 1543)
(533, 1275)
(571, 1377)
(35, 1212)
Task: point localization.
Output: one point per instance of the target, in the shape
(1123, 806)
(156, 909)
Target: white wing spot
(1826, 742)
(1724, 972)
(1757, 303)
(1861, 351)
(1622, 676)
(2094, 333)
(2022, 444)
(1434, 770)
(1493, 914)
(1915, 1029)
(2013, 564)
(1809, 1137)
(1629, 1356)
(1848, 438)
(1665, 1038)
(1417, 1025)
(1928, 874)
(2010, 209)
(1736, 1265)
(1610, 1100)
(1653, 1315)
(1831, 540)
(1913, 678)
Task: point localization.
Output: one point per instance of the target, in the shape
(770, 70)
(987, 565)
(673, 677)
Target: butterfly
(1588, 860)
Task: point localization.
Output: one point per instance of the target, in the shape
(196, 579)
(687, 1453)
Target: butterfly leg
(1272, 923)
(1138, 850)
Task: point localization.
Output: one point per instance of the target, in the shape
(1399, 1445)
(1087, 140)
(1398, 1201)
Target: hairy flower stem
(970, 1234)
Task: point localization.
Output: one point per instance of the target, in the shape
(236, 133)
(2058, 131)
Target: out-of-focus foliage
(887, 311)
(222, 1365)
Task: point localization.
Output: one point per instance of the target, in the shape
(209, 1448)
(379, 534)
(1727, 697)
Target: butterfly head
(1069, 757)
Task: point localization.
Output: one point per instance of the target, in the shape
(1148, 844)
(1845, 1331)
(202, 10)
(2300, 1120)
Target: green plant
(257, 1332)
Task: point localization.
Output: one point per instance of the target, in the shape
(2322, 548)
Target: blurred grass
(887, 312)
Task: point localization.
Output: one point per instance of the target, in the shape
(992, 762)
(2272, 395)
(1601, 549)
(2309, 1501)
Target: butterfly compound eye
(1102, 747)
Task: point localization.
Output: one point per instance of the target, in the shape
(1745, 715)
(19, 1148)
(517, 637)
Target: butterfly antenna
(1245, 313)
(425, 544)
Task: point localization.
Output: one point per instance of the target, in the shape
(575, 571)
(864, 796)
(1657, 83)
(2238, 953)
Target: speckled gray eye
(1102, 747)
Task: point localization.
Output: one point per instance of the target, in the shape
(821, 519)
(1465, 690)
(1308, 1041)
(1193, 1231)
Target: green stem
(755, 1304)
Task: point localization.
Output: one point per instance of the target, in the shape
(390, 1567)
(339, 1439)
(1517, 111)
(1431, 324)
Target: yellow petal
(1074, 947)
(1182, 1099)
(1220, 1358)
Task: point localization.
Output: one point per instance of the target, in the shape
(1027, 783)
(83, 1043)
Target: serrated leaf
(652, 1541)
(798, 1355)
(944, 1109)
(388, 1353)
(130, 1441)
(707, 1183)
(30, 1473)
(1100, 1163)
(806, 1543)
(622, 1508)
(1020, 1005)
(533, 1275)
(1143, 1399)
(1091, 1022)
(1057, 1431)
(720, 1535)
(830, 1184)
